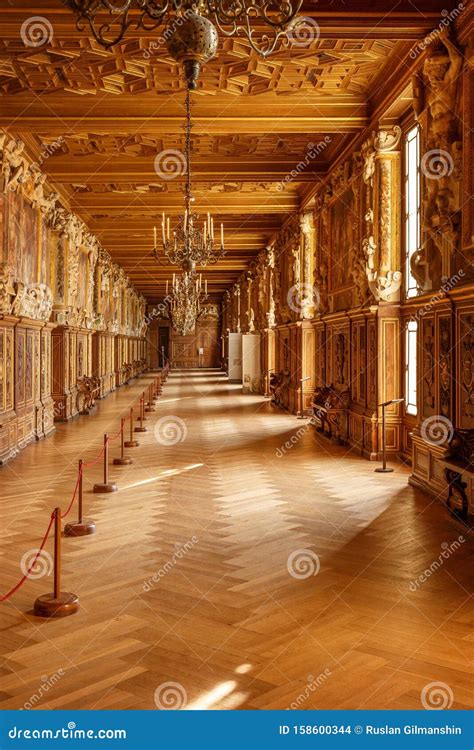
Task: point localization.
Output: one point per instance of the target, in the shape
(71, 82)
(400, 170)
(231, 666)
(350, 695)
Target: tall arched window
(412, 230)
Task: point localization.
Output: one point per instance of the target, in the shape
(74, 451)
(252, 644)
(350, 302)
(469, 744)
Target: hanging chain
(187, 150)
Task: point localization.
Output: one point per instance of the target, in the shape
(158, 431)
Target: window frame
(411, 366)
(413, 213)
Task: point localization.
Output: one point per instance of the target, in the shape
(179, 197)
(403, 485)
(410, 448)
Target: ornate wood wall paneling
(446, 377)
(184, 350)
(363, 412)
(47, 401)
(56, 287)
(389, 377)
(8, 422)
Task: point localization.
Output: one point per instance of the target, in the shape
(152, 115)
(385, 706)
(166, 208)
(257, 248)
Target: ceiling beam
(376, 20)
(99, 169)
(67, 114)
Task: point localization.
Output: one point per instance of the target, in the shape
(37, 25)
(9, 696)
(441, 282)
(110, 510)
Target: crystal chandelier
(186, 301)
(190, 243)
(191, 34)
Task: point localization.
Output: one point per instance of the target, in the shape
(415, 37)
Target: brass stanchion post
(105, 486)
(123, 460)
(141, 417)
(131, 443)
(83, 526)
(59, 603)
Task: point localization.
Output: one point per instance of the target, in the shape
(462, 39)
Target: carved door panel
(20, 368)
(427, 367)
(371, 364)
(444, 358)
(465, 367)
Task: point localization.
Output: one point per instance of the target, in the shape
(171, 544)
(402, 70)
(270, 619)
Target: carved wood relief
(465, 368)
(48, 278)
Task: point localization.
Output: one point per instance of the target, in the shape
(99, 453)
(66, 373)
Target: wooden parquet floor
(186, 594)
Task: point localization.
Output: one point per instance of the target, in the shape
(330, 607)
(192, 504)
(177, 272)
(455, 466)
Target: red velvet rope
(79, 474)
(5, 597)
(20, 583)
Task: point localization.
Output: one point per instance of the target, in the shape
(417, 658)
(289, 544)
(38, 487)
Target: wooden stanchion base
(140, 429)
(383, 471)
(80, 528)
(109, 487)
(64, 605)
(150, 408)
(131, 444)
(125, 461)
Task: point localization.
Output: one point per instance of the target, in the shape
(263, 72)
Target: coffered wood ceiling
(103, 116)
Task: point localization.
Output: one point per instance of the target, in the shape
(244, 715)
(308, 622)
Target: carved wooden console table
(330, 411)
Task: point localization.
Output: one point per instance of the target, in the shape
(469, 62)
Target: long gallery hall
(236, 354)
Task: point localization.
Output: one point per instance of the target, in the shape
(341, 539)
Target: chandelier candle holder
(191, 34)
(186, 301)
(190, 243)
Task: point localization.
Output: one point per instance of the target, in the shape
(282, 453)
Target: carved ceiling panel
(96, 119)
(271, 145)
(81, 66)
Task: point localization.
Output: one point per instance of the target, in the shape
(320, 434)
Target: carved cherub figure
(14, 164)
(37, 196)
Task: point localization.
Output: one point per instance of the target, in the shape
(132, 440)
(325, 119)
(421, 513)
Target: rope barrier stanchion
(105, 486)
(123, 460)
(83, 526)
(131, 443)
(58, 603)
(141, 417)
(150, 403)
(24, 578)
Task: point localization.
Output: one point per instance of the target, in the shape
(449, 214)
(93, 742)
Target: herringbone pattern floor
(187, 579)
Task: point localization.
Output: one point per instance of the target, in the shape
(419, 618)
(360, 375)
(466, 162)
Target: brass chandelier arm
(110, 33)
(234, 13)
(232, 17)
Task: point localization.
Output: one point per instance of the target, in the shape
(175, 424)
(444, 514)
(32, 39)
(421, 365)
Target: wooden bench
(459, 473)
(88, 392)
(330, 411)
